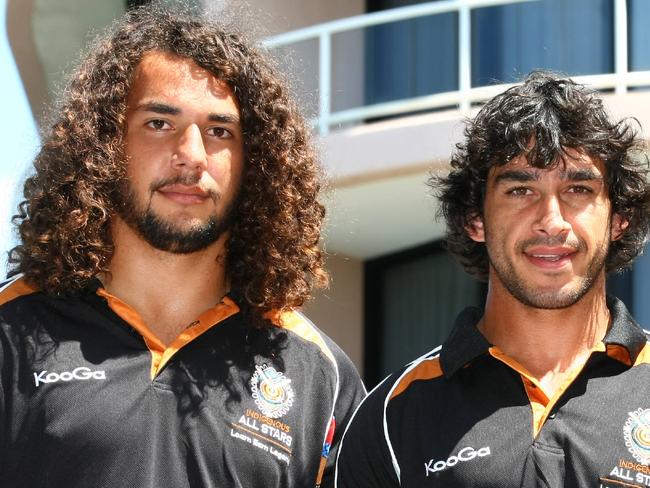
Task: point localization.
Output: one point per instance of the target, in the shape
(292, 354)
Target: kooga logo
(81, 373)
(465, 454)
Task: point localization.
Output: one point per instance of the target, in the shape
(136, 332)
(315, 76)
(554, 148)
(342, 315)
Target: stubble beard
(553, 299)
(164, 235)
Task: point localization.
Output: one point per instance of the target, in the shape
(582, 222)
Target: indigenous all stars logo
(637, 435)
(272, 391)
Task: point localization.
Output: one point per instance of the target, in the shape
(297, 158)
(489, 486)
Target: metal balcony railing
(463, 98)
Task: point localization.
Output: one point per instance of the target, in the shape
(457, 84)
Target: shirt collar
(624, 330)
(466, 343)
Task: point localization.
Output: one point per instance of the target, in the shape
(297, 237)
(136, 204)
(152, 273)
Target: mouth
(550, 258)
(184, 194)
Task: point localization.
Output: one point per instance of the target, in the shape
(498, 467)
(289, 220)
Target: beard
(530, 295)
(167, 236)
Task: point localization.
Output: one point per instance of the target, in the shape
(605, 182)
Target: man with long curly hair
(547, 386)
(150, 332)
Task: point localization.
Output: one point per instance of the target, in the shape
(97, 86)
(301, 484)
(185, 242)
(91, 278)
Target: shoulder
(425, 368)
(399, 384)
(307, 333)
(13, 289)
(312, 345)
(367, 444)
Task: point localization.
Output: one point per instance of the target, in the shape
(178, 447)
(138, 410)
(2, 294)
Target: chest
(596, 435)
(212, 417)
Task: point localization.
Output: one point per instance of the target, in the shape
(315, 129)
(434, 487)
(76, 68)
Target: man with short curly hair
(150, 332)
(547, 386)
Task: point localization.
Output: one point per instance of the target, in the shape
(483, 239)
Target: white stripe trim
(336, 368)
(435, 350)
(426, 357)
(10, 282)
(338, 454)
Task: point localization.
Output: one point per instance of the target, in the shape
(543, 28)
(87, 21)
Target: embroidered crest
(271, 391)
(637, 435)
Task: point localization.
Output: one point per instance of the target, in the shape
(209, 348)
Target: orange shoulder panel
(16, 289)
(298, 324)
(428, 369)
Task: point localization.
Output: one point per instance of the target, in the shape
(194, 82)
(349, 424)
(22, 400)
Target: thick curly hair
(273, 256)
(542, 118)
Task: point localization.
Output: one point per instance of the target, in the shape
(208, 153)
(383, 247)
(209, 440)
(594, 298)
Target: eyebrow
(225, 118)
(159, 108)
(164, 109)
(585, 174)
(516, 175)
(524, 176)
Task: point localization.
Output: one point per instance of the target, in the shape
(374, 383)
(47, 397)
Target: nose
(550, 219)
(190, 152)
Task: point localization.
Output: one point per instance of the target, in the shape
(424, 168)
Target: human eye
(519, 191)
(580, 189)
(158, 125)
(219, 132)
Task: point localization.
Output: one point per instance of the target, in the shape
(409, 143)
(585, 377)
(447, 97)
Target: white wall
(338, 311)
(286, 15)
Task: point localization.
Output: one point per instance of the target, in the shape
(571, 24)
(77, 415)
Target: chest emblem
(637, 435)
(271, 391)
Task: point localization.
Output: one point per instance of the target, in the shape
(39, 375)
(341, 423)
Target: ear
(619, 224)
(475, 229)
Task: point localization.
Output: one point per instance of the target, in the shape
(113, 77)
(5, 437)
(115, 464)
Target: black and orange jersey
(466, 415)
(89, 397)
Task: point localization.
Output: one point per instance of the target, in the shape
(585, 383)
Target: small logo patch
(272, 391)
(637, 435)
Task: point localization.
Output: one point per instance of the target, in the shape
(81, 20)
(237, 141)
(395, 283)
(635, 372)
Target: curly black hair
(542, 118)
(64, 222)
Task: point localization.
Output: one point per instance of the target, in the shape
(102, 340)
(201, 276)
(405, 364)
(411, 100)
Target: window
(573, 37)
(420, 56)
(412, 299)
(638, 14)
(411, 58)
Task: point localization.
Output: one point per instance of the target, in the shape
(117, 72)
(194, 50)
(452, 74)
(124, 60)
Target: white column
(620, 44)
(464, 55)
(324, 81)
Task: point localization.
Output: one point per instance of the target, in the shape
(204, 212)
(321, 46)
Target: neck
(549, 343)
(169, 291)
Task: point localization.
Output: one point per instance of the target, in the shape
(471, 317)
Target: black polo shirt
(89, 397)
(466, 415)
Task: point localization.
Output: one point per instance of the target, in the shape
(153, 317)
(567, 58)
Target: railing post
(324, 81)
(464, 55)
(620, 45)
(462, 96)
